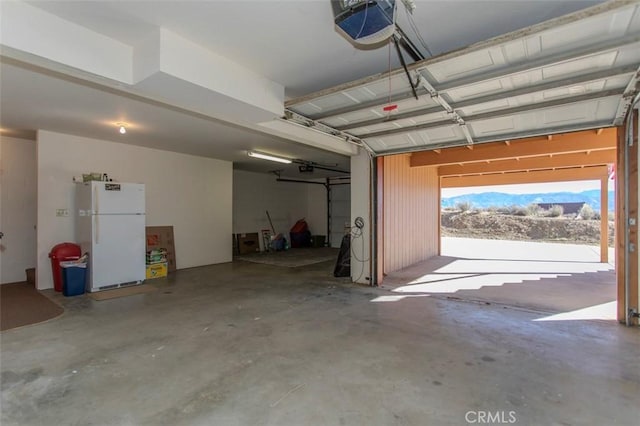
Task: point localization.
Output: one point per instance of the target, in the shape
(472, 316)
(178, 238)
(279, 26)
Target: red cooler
(60, 253)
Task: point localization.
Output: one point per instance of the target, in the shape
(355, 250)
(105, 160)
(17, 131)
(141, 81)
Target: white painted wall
(340, 212)
(18, 208)
(26, 28)
(255, 193)
(194, 194)
(360, 206)
(317, 209)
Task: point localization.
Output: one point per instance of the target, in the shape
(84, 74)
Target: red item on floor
(300, 226)
(300, 234)
(60, 253)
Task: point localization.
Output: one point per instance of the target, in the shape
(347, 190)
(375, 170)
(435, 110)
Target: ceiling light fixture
(122, 128)
(268, 157)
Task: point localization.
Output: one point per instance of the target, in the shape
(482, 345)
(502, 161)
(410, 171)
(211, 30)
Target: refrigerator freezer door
(118, 250)
(118, 198)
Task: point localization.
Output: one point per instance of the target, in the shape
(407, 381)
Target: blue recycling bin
(74, 278)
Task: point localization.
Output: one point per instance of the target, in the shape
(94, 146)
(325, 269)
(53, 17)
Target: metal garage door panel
(420, 139)
(626, 58)
(464, 66)
(550, 118)
(357, 116)
(572, 73)
(564, 39)
(565, 92)
(380, 88)
(490, 87)
(590, 63)
(603, 27)
(363, 115)
(423, 119)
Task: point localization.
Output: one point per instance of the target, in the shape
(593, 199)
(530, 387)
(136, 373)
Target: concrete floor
(251, 344)
(546, 277)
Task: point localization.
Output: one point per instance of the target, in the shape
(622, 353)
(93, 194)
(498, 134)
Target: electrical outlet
(62, 212)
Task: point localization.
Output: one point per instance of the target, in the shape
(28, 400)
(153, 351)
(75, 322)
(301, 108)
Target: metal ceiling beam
(497, 113)
(569, 143)
(595, 158)
(581, 79)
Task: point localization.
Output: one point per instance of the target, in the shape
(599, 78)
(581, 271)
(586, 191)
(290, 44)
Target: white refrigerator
(110, 226)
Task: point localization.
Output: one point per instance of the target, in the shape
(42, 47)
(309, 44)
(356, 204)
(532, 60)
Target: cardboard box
(162, 237)
(248, 243)
(157, 270)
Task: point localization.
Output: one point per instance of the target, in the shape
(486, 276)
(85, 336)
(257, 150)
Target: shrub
(463, 206)
(587, 212)
(556, 211)
(533, 210)
(519, 211)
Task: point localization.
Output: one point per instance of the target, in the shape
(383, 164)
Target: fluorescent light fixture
(268, 157)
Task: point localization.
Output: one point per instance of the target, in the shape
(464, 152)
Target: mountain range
(500, 199)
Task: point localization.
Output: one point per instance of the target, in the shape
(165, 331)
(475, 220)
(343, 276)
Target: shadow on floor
(545, 284)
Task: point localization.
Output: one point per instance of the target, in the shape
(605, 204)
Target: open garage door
(573, 73)
(508, 272)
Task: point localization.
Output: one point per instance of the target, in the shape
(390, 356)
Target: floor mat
(21, 304)
(122, 292)
(293, 258)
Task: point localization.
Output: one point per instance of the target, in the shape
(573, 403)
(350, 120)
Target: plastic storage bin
(74, 278)
(60, 253)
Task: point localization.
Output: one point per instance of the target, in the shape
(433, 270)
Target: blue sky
(531, 188)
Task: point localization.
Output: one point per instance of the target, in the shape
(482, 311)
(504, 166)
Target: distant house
(567, 208)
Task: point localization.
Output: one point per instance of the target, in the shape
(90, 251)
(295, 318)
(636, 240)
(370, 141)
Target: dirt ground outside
(499, 226)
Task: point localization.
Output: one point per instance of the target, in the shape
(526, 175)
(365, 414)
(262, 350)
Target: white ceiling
(293, 43)
(38, 100)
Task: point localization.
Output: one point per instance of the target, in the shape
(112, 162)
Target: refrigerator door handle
(97, 227)
(96, 197)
